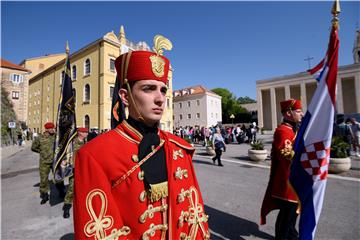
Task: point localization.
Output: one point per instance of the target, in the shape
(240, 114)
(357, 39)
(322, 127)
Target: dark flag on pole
(65, 127)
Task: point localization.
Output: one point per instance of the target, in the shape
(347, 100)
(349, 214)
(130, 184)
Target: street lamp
(232, 118)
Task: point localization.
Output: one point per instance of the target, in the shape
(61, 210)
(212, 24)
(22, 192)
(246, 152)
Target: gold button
(141, 175)
(135, 158)
(142, 196)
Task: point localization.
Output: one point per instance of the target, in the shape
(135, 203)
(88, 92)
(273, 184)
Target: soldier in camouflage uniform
(44, 145)
(78, 142)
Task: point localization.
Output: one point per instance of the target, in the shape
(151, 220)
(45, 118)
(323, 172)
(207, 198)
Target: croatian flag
(309, 168)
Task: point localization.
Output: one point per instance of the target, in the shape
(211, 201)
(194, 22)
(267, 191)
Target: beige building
(39, 64)
(14, 79)
(93, 77)
(196, 106)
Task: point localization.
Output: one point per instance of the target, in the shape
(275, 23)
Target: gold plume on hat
(160, 43)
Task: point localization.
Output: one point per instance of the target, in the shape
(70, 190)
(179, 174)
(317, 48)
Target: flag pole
(335, 12)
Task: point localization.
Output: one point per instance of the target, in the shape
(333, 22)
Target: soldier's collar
(131, 131)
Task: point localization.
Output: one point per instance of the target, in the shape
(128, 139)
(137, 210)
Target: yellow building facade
(39, 64)
(93, 77)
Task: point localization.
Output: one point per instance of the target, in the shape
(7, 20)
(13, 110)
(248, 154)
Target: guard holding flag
(137, 181)
(80, 140)
(279, 194)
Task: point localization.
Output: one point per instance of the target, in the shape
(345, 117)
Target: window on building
(189, 104)
(87, 93)
(112, 64)
(111, 91)
(180, 105)
(87, 121)
(62, 76)
(16, 78)
(198, 102)
(73, 72)
(74, 94)
(180, 116)
(197, 115)
(168, 103)
(216, 115)
(212, 115)
(87, 67)
(189, 116)
(15, 95)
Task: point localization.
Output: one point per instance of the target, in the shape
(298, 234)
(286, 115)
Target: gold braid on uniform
(288, 151)
(158, 191)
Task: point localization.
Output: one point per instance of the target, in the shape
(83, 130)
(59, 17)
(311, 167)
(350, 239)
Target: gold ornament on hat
(157, 63)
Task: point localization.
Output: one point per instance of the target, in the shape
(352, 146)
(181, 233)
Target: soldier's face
(51, 131)
(297, 115)
(83, 134)
(149, 97)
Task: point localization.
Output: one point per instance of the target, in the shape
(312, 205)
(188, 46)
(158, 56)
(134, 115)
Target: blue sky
(215, 44)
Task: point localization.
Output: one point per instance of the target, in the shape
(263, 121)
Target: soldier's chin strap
(126, 82)
(139, 117)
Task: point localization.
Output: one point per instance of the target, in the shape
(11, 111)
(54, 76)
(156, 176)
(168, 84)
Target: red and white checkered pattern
(315, 160)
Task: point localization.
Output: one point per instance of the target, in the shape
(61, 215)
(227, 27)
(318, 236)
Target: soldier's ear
(123, 94)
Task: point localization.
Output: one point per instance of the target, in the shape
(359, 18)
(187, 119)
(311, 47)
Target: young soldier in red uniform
(279, 194)
(137, 181)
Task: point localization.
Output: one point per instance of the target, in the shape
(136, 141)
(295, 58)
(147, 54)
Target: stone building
(14, 79)
(302, 86)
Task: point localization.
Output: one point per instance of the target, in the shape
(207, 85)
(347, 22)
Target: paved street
(232, 194)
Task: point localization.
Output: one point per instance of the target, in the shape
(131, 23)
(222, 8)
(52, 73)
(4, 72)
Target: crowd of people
(349, 131)
(230, 133)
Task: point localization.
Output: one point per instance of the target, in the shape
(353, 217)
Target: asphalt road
(232, 195)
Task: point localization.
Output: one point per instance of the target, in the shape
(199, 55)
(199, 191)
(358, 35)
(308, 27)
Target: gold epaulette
(182, 145)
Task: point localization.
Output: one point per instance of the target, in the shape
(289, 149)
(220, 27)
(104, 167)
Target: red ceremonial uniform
(281, 157)
(111, 201)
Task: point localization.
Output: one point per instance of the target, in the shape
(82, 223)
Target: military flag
(65, 127)
(309, 169)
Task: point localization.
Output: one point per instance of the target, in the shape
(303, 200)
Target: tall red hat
(290, 104)
(49, 125)
(142, 65)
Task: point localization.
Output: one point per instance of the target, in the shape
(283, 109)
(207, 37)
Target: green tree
(245, 99)
(7, 115)
(230, 105)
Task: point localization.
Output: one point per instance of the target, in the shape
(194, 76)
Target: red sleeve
(283, 144)
(96, 215)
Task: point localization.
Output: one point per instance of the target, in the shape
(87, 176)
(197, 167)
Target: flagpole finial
(335, 12)
(67, 49)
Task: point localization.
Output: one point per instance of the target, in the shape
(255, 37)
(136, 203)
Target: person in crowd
(218, 144)
(355, 133)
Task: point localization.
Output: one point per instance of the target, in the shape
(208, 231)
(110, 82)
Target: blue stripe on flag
(302, 182)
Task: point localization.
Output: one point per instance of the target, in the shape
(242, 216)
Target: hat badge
(157, 63)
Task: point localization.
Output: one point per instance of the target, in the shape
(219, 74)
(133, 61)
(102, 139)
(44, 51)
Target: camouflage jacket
(44, 145)
(77, 145)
